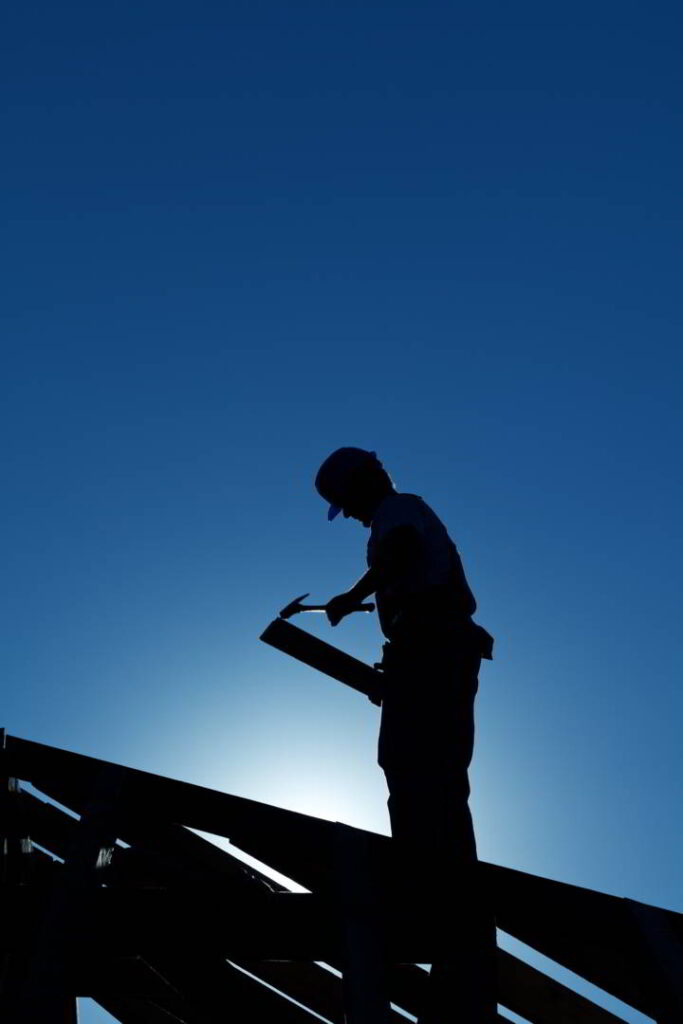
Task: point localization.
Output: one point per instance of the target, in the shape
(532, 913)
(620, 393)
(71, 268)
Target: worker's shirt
(430, 582)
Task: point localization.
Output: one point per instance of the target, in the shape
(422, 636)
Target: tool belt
(467, 636)
(437, 616)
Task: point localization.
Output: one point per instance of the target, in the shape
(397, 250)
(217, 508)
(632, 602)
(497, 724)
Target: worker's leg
(431, 820)
(443, 880)
(426, 747)
(462, 985)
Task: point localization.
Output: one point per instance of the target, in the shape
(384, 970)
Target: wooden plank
(19, 1007)
(320, 655)
(314, 987)
(160, 853)
(542, 1000)
(184, 855)
(72, 779)
(45, 992)
(14, 864)
(15, 846)
(48, 825)
(181, 853)
(238, 925)
(215, 990)
(522, 988)
(309, 984)
(130, 1010)
(664, 942)
(590, 933)
(366, 994)
(201, 991)
(131, 922)
(172, 854)
(96, 975)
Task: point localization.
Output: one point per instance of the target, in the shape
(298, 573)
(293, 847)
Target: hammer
(296, 606)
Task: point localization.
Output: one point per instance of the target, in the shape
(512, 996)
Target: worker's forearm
(365, 586)
(342, 605)
(396, 555)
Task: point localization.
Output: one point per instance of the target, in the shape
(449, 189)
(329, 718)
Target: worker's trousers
(425, 748)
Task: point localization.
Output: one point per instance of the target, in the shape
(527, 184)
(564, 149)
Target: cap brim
(333, 511)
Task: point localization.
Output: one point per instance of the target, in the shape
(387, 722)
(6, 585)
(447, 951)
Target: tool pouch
(472, 636)
(484, 642)
(388, 657)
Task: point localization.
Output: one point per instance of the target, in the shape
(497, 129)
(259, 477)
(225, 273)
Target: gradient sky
(240, 235)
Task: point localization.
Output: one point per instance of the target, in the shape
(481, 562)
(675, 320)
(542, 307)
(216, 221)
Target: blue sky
(238, 236)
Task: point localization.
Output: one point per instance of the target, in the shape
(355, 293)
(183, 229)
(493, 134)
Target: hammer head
(293, 607)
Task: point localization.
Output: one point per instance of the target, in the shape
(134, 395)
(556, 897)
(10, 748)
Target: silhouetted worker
(430, 666)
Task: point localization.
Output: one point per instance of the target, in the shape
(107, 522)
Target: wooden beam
(15, 845)
(366, 994)
(591, 933)
(542, 1000)
(520, 985)
(588, 932)
(44, 991)
(238, 925)
(130, 922)
(308, 983)
(521, 988)
(663, 939)
(72, 780)
(95, 975)
(132, 1010)
(205, 990)
(14, 862)
(213, 989)
(171, 854)
(48, 825)
(178, 854)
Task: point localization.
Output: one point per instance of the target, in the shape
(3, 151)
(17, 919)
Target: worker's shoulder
(411, 502)
(402, 498)
(412, 509)
(400, 508)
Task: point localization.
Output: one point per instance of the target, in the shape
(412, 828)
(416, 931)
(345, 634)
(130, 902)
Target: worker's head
(354, 482)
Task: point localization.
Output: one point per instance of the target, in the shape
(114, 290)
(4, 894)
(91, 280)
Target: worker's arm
(343, 604)
(396, 552)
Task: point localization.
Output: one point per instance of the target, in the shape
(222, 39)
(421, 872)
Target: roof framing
(164, 928)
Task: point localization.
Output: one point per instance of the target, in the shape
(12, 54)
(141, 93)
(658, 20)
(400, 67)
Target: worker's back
(431, 585)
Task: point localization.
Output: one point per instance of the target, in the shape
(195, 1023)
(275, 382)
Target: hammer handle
(368, 607)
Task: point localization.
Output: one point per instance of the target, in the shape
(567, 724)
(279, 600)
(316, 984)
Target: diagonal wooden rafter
(593, 934)
(173, 854)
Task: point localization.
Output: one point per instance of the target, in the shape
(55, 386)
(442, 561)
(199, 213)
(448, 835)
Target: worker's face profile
(363, 492)
(356, 506)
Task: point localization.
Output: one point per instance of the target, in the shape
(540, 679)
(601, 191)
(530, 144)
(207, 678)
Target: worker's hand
(339, 606)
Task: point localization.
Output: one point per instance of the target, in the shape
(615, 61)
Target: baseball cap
(335, 476)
